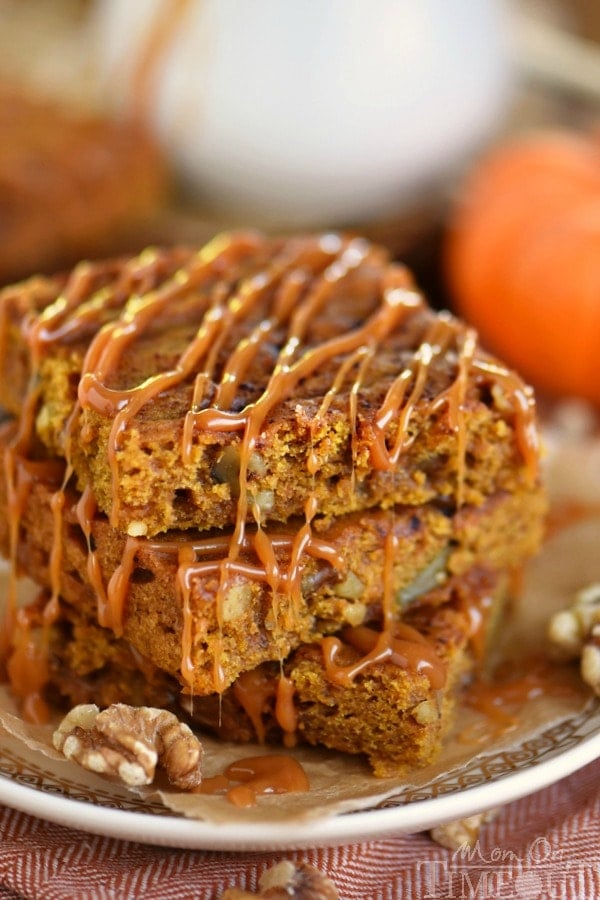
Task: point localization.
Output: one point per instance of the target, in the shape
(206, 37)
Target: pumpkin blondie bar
(269, 452)
(203, 389)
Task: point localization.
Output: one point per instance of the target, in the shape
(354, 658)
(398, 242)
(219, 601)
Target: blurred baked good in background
(75, 181)
(346, 115)
(361, 115)
(72, 184)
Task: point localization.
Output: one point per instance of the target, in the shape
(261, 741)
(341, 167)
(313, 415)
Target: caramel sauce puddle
(501, 697)
(256, 776)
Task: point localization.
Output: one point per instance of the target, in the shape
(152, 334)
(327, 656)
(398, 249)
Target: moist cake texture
(264, 462)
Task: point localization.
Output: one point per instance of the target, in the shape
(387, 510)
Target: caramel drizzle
(78, 287)
(138, 314)
(92, 296)
(403, 646)
(361, 357)
(27, 663)
(289, 370)
(85, 511)
(19, 650)
(456, 395)
(298, 284)
(398, 408)
(257, 691)
(191, 566)
(254, 691)
(396, 643)
(186, 557)
(25, 636)
(523, 408)
(23, 653)
(286, 714)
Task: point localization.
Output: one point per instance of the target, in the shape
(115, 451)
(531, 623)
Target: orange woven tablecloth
(543, 846)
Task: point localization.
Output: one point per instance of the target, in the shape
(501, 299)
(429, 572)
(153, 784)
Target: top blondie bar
(259, 379)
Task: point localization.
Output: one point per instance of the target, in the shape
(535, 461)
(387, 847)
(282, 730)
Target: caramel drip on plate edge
(296, 285)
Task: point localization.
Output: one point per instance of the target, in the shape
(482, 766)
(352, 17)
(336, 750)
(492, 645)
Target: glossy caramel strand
(28, 661)
(290, 368)
(260, 693)
(200, 558)
(405, 392)
(20, 474)
(255, 691)
(455, 397)
(284, 580)
(523, 406)
(85, 511)
(396, 642)
(186, 556)
(286, 713)
(402, 645)
(477, 607)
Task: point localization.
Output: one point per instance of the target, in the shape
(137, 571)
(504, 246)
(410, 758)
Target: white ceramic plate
(491, 779)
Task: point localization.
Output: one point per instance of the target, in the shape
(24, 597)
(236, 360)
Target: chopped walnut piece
(426, 711)
(462, 832)
(129, 742)
(590, 660)
(288, 881)
(575, 633)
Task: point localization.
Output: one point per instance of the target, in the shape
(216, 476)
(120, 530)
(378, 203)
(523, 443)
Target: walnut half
(287, 881)
(129, 742)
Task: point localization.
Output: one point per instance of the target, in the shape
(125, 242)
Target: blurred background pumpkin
(522, 258)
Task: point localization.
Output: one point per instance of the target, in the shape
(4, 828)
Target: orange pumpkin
(522, 259)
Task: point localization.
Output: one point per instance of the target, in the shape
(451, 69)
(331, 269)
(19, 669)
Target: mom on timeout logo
(541, 872)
